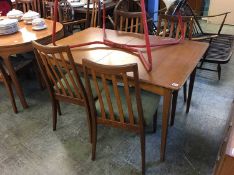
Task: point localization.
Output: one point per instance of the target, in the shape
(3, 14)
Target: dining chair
(220, 45)
(7, 83)
(95, 11)
(168, 26)
(216, 53)
(26, 5)
(47, 9)
(121, 103)
(127, 17)
(66, 15)
(62, 78)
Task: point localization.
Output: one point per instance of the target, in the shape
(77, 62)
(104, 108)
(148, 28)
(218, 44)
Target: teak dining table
(20, 42)
(172, 65)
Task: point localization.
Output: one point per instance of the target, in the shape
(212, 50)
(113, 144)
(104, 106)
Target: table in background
(172, 65)
(109, 10)
(20, 42)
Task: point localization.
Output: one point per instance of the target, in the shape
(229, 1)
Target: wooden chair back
(34, 5)
(114, 75)
(127, 20)
(95, 11)
(66, 11)
(168, 26)
(47, 8)
(58, 69)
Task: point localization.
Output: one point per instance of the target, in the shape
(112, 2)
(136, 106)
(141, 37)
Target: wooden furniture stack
(225, 160)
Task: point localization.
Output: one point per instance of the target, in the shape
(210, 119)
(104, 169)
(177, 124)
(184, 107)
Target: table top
(25, 34)
(171, 64)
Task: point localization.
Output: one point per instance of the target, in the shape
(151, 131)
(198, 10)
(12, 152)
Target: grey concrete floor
(29, 146)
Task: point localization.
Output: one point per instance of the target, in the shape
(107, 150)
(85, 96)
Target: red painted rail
(147, 62)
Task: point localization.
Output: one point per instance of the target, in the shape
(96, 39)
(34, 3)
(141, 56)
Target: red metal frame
(147, 62)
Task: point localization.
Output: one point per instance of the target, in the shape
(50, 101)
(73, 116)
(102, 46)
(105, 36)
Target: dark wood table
(20, 42)
(172, 65)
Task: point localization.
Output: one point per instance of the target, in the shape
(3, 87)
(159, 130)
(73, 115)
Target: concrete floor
(29, 146)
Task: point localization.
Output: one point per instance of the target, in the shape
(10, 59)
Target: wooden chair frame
(127, 21)
(56, 64)
(95, 13)
(7, 82)
(34, 5)
(171, 22)
(115, 74)
(200, 35)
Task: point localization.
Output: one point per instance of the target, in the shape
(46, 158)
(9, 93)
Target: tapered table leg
(165, 118)
(191, 83)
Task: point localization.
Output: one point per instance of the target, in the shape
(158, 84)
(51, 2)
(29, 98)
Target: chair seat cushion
(149, 100)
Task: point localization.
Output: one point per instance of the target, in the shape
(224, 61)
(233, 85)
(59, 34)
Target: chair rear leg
(54, 114)
(10, 93)
(142, 139)
(185, 91)
(155, 121)
(219, 71)
(7, 83)
(201, 64)
(38, 75)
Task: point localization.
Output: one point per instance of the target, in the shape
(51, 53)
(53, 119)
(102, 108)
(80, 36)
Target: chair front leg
(94, 138)
(142, 140)
(58, 107)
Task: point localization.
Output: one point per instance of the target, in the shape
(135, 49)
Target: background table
(171, 64)
(20, 42)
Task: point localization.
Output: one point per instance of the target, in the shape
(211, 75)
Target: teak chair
(26, 5)
(61, 77)
(67, 18)
(66, 15)
(47, 8)
(120, 102)
(168, 26)
(7, 83)
(127, 20)
(95, 13)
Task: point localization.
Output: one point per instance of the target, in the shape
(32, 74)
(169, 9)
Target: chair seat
(150, 104)
(72, 87)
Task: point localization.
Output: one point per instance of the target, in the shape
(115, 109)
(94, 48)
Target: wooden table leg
(15, 81)
(173, 107)
(191, 83)
(165, 118)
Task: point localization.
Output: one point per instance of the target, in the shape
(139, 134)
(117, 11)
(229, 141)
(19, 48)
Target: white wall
(220, 6)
